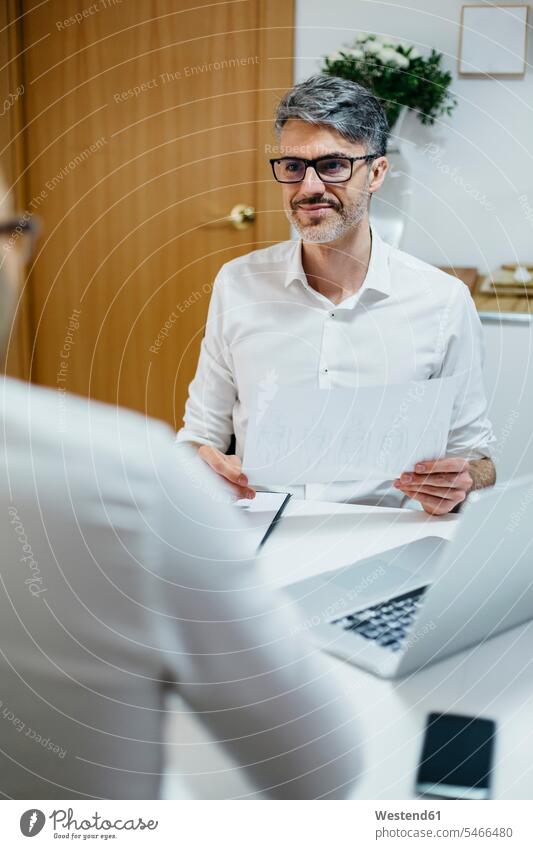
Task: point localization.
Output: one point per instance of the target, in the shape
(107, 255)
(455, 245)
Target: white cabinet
(508, 374)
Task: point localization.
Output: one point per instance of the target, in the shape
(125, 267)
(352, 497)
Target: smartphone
(456, 760)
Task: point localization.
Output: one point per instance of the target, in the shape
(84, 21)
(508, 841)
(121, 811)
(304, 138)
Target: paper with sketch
(306, 435)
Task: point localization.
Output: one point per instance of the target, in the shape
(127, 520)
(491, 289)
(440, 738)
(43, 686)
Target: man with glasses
(126, 573)
(338, 308)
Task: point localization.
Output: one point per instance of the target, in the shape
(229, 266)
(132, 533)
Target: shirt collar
(377, 276)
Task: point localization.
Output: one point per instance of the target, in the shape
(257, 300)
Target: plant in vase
(397, 74)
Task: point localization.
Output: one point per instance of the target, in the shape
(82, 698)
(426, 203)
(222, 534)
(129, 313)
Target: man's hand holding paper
(439, 485)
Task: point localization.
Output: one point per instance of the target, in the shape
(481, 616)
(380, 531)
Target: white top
(124, 570)
(408, 321)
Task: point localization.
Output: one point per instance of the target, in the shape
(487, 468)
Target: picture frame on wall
(493, 40)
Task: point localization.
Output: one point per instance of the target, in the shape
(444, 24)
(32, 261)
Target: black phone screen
(457, 756)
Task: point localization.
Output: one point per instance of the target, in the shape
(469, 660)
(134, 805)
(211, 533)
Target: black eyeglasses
(330, 168)
(20, 234)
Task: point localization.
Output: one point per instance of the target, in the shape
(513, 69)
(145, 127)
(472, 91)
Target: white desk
(494, 680)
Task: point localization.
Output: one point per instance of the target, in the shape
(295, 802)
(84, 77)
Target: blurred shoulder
(57, 423)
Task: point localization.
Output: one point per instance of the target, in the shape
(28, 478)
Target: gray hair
(345, 106)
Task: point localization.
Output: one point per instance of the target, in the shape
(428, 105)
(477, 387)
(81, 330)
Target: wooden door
(144, 124)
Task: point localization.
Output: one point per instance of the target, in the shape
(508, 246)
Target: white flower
(361, 37)
(355, 52)
(389, 56)
(415, 54)
(334, 57)
(401, 61)
(373, 47)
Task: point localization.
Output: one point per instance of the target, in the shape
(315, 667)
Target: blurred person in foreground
(125, 571)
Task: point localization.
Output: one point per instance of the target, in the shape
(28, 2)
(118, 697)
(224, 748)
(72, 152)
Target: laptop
(419, 603)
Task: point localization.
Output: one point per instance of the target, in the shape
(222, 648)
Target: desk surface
(493, 680)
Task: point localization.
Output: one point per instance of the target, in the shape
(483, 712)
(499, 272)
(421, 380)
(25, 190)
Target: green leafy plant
(397, 74)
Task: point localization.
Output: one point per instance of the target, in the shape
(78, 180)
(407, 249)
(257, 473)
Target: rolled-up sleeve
(208, 418)
(471, 433)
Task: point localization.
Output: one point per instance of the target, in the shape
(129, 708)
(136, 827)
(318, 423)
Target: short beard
(346, 219)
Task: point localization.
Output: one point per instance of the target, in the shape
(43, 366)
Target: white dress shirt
(266, 325)
(124, 571)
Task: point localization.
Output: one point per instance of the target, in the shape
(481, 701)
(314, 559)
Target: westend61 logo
(66, 826)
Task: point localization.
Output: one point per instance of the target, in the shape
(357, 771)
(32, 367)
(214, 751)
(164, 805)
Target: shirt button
(324, 371)
(332, 314)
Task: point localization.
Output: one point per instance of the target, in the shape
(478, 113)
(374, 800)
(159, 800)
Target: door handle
(241, 216)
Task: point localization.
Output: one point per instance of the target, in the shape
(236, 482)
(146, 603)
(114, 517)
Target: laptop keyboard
(386, 623)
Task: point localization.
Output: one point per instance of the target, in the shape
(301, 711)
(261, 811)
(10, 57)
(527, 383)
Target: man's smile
(315, 209)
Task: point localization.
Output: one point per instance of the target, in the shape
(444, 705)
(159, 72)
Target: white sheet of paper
(307, 435)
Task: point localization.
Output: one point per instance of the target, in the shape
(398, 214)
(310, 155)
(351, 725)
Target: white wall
(489, 138)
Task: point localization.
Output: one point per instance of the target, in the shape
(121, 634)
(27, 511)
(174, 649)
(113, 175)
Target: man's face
(325, 212)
